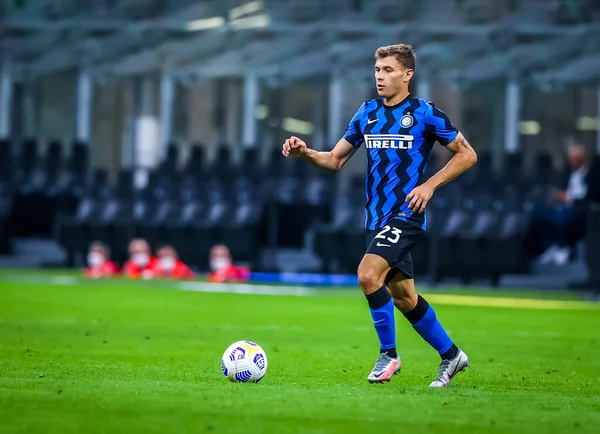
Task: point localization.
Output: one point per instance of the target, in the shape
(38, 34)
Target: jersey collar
(401, 103)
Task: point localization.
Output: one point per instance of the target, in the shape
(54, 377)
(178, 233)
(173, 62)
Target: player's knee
(369, 281)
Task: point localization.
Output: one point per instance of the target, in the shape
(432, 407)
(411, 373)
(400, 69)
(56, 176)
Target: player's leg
(420, 314)
(371, 275)
(424, 320)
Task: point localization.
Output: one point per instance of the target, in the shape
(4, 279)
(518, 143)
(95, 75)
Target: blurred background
(164, 119)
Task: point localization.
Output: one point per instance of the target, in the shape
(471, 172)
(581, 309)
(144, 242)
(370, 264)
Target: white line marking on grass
(64, 280)
(43, 280)
(302, 291)
(242, 288)
(458, 300)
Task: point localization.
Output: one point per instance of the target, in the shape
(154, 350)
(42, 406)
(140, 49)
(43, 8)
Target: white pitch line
(303, 291)
(243, 288)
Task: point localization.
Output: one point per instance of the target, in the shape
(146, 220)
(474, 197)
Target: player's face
(391, 78)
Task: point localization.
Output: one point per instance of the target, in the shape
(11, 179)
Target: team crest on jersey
(406, 121)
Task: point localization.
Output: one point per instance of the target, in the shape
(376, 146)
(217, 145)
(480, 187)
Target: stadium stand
(476, 229)
(469, 53)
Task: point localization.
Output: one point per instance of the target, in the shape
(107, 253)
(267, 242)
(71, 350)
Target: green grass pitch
(129, 357)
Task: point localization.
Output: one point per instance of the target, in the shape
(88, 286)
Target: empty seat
(6, 163)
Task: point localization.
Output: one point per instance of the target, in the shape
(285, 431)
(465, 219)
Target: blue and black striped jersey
(398, 140)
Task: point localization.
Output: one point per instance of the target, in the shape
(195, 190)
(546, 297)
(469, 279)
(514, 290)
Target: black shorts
(394, 243)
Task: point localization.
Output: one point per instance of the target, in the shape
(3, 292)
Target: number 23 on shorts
(394, 231)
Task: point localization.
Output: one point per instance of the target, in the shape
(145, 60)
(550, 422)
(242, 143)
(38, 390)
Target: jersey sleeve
(444, 131)
(354, 134)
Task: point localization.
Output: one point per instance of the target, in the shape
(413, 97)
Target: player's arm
(330, 161)
(464, 157)
(335, 159)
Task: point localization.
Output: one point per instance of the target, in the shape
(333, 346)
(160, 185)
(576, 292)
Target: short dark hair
(100, 245)
(166, 247)
(404, 54)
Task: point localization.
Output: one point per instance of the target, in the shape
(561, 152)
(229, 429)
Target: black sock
(379, 298)
(418, 312)
(390, 352)
(451, 353)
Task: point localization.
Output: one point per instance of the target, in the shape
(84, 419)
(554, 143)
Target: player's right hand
(294, 147)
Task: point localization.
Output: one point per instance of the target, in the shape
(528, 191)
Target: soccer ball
(244, 362)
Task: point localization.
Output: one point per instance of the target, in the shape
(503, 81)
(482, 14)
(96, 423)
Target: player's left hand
(418, 198)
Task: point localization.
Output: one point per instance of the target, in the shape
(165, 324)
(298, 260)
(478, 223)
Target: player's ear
(408, 75)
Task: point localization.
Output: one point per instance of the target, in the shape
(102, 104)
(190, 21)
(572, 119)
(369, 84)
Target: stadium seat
(104, 214)
(329, 236)
(112, 224)
(241, 231)
(27, 159)
(6, 205)
(73, 231)
(78, 163)
(222, 168)
(513, 170)
(275, 160)
(53, 161)
(125, 187)
(208, 230)
(170, 163)
(6, 161)
(425, 253)
(352, 247)
(445, 243)
(484, 173)
(507, 245)
(29, 207)
(544, 172)
(162, 206)
(592, 242)
(73, 228)
(195, 168)
(180, 229)
(249, 166)
(480, 175)
(55, 182)
(475, 240)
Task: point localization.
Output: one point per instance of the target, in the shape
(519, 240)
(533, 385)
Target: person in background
(223, 269)
(169, 264)
(562, 224)
(140, 264)
(99, 263)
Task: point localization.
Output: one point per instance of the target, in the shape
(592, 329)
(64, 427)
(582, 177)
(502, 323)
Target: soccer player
(398, 130)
